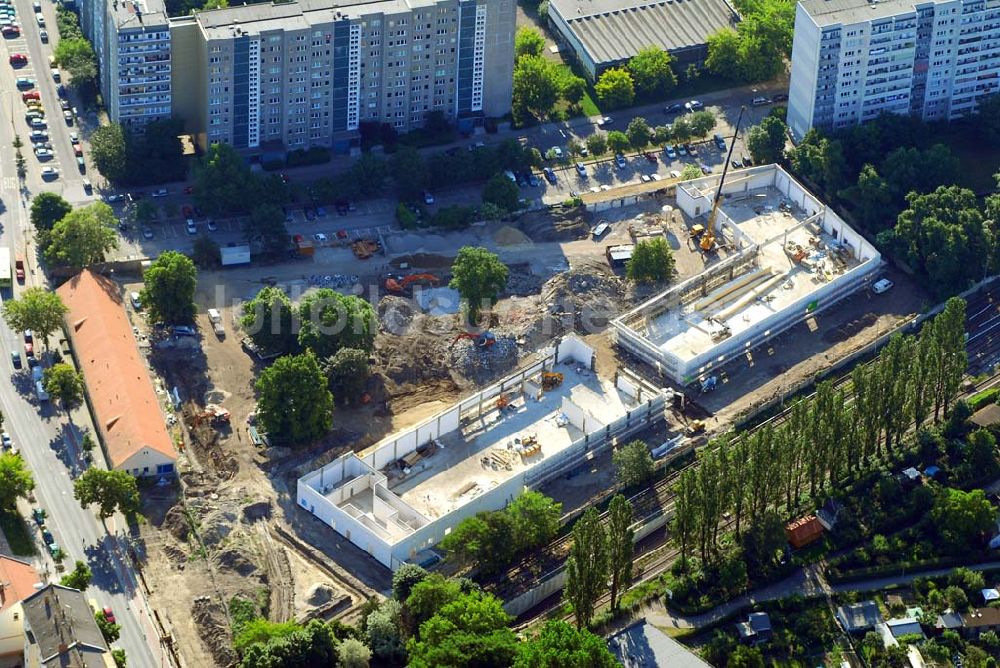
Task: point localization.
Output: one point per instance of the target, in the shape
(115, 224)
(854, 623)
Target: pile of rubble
(479, 362)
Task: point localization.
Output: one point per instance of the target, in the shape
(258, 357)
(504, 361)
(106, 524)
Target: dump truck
(216, 319)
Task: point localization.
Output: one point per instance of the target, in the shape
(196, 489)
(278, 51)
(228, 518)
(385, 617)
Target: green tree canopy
(63, 383)
(314, 644)
(348, 372)
(40, 310)
(405, 579)
(267, 320)
(961, 518)
(109, 630)
(651, 261)
(587, 567)
(536, 87)
(79, 578)
(535, 519)
(170, 282)
(502, 192)
(430, 595)
(76, 56)
(621, 546)
(572, 89)
(652, 72)
(109, 151)
(294, 404)
(266, 226)
(479, 276)
(47, 209)
(701, 123)
(639, 133)
(16, 480)
(82, 237)
(766, 141)
(559, 645)
(469, 631)
(112, 491)
(615, 88)
(330, 321)
(618, 141)
(222, 181)
(597, 144)
(528, 42)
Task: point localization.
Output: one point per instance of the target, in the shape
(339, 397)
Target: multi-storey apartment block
(300, 74)
(132, 42)
(855, 59)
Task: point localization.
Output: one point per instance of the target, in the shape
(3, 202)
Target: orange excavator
(392, 285)
(484, 340)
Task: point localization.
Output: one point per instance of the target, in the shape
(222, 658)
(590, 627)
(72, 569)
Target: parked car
(581, 169)
(183, 330)
(24, 83)
(605, 121)
(17, 59)
(14, 31)
(882, 285)
(760, 101)
(780, 97)
(557, 152)
(15, 359)
(320, 237)
(550, 175)
(681, 150)
(694, 105)
(671, 152)
(29, 349)
(191, 227)
(44, 35)
(31, 95)
(111, 199)
(68, 117)
(162, 192)
(720, 142)
(136, 300)
(147, 233)
(81, 165)
(674, 108)
(74, 138)
(651, 157)
(620, 160)
(39, 135)
(50, 173)
(212, 226)
(56, 76)
(109, 615)
(691, 149)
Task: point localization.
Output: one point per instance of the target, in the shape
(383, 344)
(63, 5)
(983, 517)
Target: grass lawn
(588, 105)
(17, 533)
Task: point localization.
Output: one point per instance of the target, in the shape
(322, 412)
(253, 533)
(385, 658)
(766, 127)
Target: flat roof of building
(474, 459)
(298, 15)
(642, 645)
(615, 30)
(118, 384)
(779, 280)
(832, 12)
(139, 14)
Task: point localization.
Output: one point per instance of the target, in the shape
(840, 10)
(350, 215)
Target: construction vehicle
(708, 238)
(216, 415)
(502, 402)
(695, 427)
(551, 380)
(364, 248)
(484, 340)
(397, 286)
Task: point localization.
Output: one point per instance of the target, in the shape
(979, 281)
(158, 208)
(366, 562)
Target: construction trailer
(234, 255)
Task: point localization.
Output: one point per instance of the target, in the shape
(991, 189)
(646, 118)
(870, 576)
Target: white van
(136, 300)
(39, 19)
(600, 230)
(40, 391)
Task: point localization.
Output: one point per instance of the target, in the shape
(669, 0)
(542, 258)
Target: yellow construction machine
(551, 380)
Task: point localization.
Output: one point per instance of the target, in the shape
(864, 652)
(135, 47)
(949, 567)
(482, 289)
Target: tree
(502, 193)
(486, 539)
(294, 403)
(690, 172)
(559, 645)
(118, 654)
(615, 88)
(315, 644)
(223, 181)
(40, 310)
(618, 141)
(597, 144)
(572, 89)
(109, 151)
(534, 520)
(988, 118)
(528, 42)
(111, 632)
(479, 276)
(745, 657)
(961, 518)
(639, 133)
(470, 631)
(681, 129)
(586, 567)
(405, 579)
(268, 321)
(266, 226)
(766, 141)
(112, 491)
(621, 545)
(651, 261)
(205, 252)
(77, 58)
(724, 57)
(662, 135)
(408, 173)
(16, 481)
(347, 372)
(536, 87)
(170, 282)
(430, 595)
(82, 237)
(64, 383)
(701, 123)
(47, 209)
(384, 631)
(651, 72)
(354, 654)
(79, 578)
(331, 321)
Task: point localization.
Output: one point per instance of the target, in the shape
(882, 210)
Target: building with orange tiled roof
(18, 580)
(119, 391)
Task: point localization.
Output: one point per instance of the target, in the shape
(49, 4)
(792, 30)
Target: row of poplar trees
(826, 440)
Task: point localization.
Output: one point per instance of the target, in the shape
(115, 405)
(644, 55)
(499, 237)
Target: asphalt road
(47, 440)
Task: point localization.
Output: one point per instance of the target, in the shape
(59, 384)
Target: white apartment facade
(853, 60)
(132, 42)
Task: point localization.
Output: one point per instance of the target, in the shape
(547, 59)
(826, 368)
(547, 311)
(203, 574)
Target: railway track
(983, 345)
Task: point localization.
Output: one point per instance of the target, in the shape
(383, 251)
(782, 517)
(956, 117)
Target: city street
(48, 442)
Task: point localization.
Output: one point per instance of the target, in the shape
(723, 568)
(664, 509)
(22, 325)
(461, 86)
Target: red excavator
(484, 340)
(394, 286)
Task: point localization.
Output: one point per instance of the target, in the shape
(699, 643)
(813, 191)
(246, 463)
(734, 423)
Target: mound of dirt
(210, 620)
(175, 554)
(557, 224)
(216, 526)
(510, 236)
(395, 314)
(319, 594)
(236, 561)
(257, 511)
(176, 523)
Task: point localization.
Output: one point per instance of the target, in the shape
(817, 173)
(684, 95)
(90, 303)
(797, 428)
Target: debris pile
(210, 620)
(395, 314)
(478, 361)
